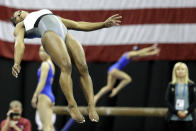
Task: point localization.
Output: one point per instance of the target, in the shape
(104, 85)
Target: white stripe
(96, 4)
(161, 33)
(7, 30)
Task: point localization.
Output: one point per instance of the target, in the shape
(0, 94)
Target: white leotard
(31, 18)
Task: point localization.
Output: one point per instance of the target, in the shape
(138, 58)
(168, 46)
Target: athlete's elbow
(129, 79)
(19, 45)
(76, 26)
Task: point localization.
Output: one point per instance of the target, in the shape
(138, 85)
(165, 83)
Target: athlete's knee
(51, 127)
(65, 66)
(128, 79)
(72, 104)
(46, 127)
(45, 124)
(83, 68)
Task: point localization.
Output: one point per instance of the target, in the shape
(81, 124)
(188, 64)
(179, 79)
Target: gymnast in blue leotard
(47, 90)
(115, 72)
(122, 62)
(43, 97)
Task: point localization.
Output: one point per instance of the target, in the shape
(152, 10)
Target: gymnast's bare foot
(75, 114)
(93, 116)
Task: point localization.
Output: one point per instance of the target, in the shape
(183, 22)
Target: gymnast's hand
(113, 20)
(16, 70)
(34, 101)
(182, 114)
(154, 46)
(13, 124)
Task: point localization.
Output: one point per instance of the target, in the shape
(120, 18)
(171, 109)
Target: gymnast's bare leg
(111, 80)
(125, 80)
(56, 48)
(77, 53)
(45, 111)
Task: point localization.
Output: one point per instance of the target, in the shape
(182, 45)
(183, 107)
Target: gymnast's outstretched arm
(148, 51)
(18, 48)
(90, 26)
(44, 73)
(153, 52)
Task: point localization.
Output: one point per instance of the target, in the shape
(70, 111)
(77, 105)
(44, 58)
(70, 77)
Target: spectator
(180, 97)
(14, 120)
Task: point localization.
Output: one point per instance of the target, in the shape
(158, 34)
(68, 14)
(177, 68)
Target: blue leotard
(47, 90)
(121, 63)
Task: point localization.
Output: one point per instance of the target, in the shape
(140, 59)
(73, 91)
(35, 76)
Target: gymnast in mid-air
(115, 72)
(63, 49)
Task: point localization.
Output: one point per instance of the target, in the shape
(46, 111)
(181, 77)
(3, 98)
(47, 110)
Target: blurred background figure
(115, 72)
(181, 99)
(43, 97)
(14, 120)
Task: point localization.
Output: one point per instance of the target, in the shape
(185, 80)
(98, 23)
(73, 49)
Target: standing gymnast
(62, 48)
(43, 94)
(115, 72)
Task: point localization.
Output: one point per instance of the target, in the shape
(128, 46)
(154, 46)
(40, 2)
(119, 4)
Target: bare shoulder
(19, 27)
(44, 65)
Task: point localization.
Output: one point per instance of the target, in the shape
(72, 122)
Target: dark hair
(13, 20)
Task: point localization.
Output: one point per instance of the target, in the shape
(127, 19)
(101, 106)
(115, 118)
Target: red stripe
(31, 51)
(183, 51)
(135, 16)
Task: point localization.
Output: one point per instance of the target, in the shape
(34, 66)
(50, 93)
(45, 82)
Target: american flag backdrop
(171, 23)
